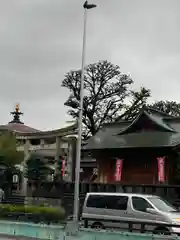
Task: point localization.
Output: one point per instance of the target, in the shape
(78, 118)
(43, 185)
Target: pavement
(7, 237)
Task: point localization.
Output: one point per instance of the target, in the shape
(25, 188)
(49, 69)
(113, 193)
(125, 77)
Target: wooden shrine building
(144, 151)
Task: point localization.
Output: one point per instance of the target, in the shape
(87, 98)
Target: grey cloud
(40, 40)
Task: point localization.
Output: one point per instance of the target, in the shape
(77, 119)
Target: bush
(34, 213)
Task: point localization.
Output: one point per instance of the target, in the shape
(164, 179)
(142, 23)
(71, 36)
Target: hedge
(32, 213)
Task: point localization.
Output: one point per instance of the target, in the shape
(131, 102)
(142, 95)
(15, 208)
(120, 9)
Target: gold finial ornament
(17, 107)
(16, 115)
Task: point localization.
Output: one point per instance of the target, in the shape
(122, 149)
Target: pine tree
(36, 169)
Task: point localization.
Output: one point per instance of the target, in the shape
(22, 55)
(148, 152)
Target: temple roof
(18, 128)
(151, 128)
(156, 119)
(67, 131)
(16, 125)
(23, 131)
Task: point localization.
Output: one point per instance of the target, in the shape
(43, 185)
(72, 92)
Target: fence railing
(133, 226)
(65, 191)
(58, 189)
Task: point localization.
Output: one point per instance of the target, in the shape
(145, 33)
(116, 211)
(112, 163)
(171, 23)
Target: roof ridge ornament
(16, 115)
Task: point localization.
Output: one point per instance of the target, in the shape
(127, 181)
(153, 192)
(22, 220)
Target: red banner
(63, 166)
(161, 169)
(118, 171)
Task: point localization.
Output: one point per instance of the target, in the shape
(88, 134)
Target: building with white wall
(52, 145)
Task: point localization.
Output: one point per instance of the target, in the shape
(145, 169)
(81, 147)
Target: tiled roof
(18, 127)
(135, 140)
(23, 131)
(166, 133)
(65, 131)
(155, 118)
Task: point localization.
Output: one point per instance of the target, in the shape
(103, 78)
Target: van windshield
(162, 205)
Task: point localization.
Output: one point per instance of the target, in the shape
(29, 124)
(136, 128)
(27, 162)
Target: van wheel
(162, 231)
(97, 225)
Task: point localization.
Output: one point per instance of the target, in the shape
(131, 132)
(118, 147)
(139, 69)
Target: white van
(130, 207)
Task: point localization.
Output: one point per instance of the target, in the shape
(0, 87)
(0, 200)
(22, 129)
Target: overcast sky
(40, 40)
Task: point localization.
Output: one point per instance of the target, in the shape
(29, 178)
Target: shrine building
(142, 151)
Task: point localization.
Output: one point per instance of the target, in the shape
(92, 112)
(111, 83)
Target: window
(162, 204)
(117, 202)
(108, 202)
(140, 204)
(96, 201)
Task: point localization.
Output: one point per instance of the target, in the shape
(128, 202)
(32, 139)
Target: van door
(138, 212)
(107, 207)
(116, 209)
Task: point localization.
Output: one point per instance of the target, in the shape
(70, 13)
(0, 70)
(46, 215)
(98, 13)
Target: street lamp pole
(78, 148)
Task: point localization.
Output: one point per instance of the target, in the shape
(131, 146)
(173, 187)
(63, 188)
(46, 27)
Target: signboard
(118, 170)
(161, 170)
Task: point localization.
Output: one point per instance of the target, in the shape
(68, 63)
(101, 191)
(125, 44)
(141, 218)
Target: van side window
(140, 204)
(107, 202)
(96, 201)
(117, 202)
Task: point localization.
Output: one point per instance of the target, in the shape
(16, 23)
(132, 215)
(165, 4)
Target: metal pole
(78, 148)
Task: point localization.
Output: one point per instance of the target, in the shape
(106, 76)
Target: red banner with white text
(63, 166)
(161, 169)
(118, 170)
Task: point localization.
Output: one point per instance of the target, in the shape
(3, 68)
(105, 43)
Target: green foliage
(8, 153)
(107, 92)
(39, 213)
(36, 169)
(170, 107)
(138, 100)
(58, 172)
(9, 157)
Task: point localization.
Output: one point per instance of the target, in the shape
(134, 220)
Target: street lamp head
(89, 6)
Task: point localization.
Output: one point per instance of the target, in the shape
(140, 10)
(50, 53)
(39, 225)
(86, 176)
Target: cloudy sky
(40, 40)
